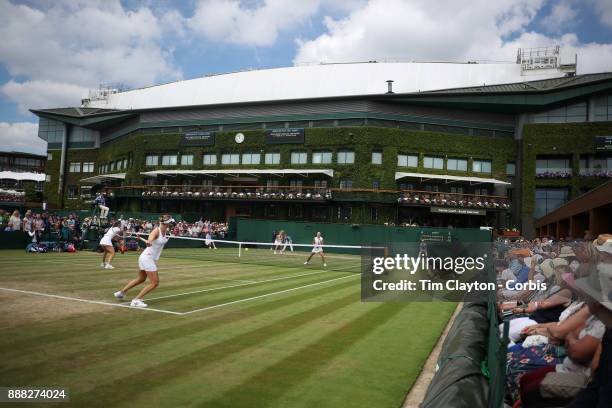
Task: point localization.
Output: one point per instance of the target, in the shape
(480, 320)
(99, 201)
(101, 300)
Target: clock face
(239, 138)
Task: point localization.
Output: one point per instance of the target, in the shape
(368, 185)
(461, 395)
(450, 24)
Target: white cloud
(21, 137)
(82, 44)
(43, 94)
(561, 15)
(604, 9)
(233, 21)
(442, 30)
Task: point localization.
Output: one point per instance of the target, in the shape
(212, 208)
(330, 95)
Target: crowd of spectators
(554, 174)
(11, 196)
(453, 200)
(560, 347)
(605, 173)
(48, 226)
(276, 193)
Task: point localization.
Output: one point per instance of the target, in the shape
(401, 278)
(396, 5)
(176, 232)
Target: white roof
(103, 177)
(19, 176)
(448, 178)
(320, 81)
(256, 172)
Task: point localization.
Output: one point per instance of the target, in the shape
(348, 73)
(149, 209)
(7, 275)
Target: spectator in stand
(3, 219)
(14, 223)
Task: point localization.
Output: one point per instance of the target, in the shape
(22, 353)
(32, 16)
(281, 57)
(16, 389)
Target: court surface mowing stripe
(316, 346)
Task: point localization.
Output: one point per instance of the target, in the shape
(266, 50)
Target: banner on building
(198, 139)
(282, 136)
(461, 211)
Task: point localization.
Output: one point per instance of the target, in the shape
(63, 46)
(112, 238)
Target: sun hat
(559, 262)
(566, 251)
(598, 283)
(548, 268)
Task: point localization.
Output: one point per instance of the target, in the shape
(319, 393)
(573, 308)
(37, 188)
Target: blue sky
(52, 53)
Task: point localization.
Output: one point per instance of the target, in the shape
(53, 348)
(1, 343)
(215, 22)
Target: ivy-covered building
(429, 144)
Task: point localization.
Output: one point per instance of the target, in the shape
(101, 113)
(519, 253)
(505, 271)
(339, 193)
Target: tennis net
(348, 258)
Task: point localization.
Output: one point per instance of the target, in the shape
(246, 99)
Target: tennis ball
(246, 249)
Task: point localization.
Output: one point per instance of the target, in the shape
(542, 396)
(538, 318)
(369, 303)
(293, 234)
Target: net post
(239, 249)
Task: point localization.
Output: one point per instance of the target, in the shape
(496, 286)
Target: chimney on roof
(390, 86)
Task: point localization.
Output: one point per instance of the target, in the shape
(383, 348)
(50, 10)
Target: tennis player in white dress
(114, 232)
(317, 248)
(147, 267)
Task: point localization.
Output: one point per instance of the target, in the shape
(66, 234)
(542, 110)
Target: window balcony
(264, 193)
(553, 172)
(596, 172)
(441, 199)
(12, 196)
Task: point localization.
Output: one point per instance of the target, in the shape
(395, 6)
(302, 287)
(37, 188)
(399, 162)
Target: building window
(511, 169)
(39, 187)
(152, 160)
(375, 184)
(88, 167)
(346, 157)
(49, 156)
(75, 168)
(48, 178)
(376, 157)
(272, 158)
(406, 186)
(251, 158)
(230, 159)
(112, 166)
(457, 190)
(553, 166)
(481, 166)
(321, 157)
(73, 192)
(119, 164)
(320, 184)
(85, 192)
(549, 199)
(271, 185)
(407, 160)
(296, 184)
(603, 108)
(481, 191)
(169, 160)
(433, 162)
(346, 184)
(209, 159)
(299, 157)
(570, 113)
(457, 164)
(374, 213)
(187, 160)
(125, 163)
(345, 213)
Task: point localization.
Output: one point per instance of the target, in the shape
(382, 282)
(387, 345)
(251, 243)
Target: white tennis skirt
(317, 250)
(147, 263)
(106, 241)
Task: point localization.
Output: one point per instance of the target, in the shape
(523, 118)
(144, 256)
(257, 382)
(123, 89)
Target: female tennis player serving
(146, 262)
(317, 248)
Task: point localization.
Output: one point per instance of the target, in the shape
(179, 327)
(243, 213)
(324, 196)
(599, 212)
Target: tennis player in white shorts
(317, 248)
(147, 267)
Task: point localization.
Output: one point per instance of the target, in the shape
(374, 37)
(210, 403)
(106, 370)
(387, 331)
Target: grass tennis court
(219, 334)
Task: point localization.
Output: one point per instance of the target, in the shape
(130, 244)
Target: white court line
(95, 302)
(266, 295)
(235, 286)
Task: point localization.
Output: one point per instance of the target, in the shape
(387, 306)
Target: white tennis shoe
(119, 295)
(103, 265)
(138, 303)
(306, 263)
(109, 266)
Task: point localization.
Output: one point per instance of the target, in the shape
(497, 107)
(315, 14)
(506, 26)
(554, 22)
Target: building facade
(498, 155)
(21, 179)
